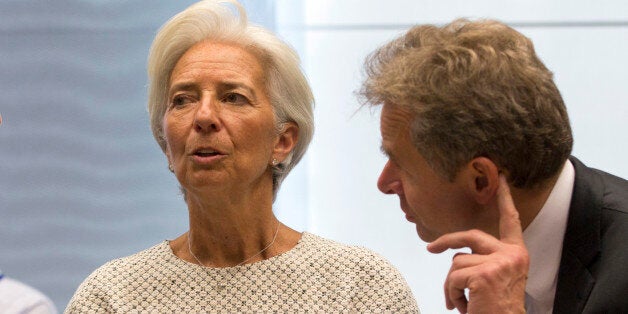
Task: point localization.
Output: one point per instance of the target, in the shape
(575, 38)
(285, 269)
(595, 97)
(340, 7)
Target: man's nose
(388, 182)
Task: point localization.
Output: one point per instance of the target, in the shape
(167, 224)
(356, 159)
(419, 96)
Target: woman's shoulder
(375, 282)
(343, 252)
(112, 279)
(129, 267)
(147, 258)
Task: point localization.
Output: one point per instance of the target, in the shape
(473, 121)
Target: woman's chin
(204, 183)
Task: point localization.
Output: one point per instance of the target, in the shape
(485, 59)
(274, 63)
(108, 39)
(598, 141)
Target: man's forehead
(394, 119)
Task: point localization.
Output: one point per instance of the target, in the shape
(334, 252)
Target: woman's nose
(388, 182)
(207, 118)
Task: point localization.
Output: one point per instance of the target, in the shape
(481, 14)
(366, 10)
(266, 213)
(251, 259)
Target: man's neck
(530, 201)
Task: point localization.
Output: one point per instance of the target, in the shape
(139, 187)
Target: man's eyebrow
(383, 150)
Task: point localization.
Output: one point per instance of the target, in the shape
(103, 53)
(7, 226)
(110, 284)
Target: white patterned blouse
(317, 275)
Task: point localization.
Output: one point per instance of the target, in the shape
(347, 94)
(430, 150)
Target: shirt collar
(544, 238)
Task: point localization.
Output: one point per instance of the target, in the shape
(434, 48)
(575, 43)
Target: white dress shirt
(544, 241)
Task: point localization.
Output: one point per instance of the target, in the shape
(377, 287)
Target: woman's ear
(482, 179)
(286, 141)
(168, 153)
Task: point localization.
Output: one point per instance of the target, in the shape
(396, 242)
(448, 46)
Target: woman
(232, 112)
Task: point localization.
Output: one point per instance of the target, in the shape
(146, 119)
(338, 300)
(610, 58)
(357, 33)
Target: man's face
(436, 205)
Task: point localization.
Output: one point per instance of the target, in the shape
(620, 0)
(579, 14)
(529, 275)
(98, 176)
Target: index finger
(509, 223)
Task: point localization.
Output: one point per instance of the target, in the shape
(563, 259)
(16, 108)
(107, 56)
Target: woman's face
(219, 126)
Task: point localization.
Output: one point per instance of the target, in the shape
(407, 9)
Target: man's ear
(482, 177)
(286, 141)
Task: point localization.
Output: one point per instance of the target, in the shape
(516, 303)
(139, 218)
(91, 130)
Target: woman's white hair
(289, 92)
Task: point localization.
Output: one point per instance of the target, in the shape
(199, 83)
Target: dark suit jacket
(593, 273)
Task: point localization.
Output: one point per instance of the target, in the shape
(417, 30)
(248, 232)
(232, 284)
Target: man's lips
(409, 218)
(402, 204)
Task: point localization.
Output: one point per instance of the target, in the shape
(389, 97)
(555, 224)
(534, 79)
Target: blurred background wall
(82, 181)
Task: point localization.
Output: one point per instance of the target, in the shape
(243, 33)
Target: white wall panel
(373, 12)
(590, 67)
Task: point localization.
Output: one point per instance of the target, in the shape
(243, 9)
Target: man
(479, 144)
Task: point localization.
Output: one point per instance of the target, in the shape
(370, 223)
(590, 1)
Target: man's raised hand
(495, 272)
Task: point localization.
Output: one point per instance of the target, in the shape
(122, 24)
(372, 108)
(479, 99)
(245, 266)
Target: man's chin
(425, 235)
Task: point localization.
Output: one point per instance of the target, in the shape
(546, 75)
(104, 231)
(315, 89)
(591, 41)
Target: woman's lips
(204, 158)
(205, 155)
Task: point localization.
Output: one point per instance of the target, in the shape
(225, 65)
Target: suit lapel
(582, 241)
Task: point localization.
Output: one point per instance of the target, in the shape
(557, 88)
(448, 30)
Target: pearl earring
(171, 168)
(274, 162)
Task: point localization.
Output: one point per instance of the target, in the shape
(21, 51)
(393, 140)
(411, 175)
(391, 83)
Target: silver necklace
(244, 261)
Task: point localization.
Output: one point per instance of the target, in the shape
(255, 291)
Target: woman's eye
(235, 98)
(180, 100)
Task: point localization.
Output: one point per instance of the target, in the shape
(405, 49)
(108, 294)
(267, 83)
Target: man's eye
(235, 98)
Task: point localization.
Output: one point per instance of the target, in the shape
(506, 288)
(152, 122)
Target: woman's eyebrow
(237, 85)
(181, 86)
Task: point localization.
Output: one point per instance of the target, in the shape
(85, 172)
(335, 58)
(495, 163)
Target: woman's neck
(227, 230)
